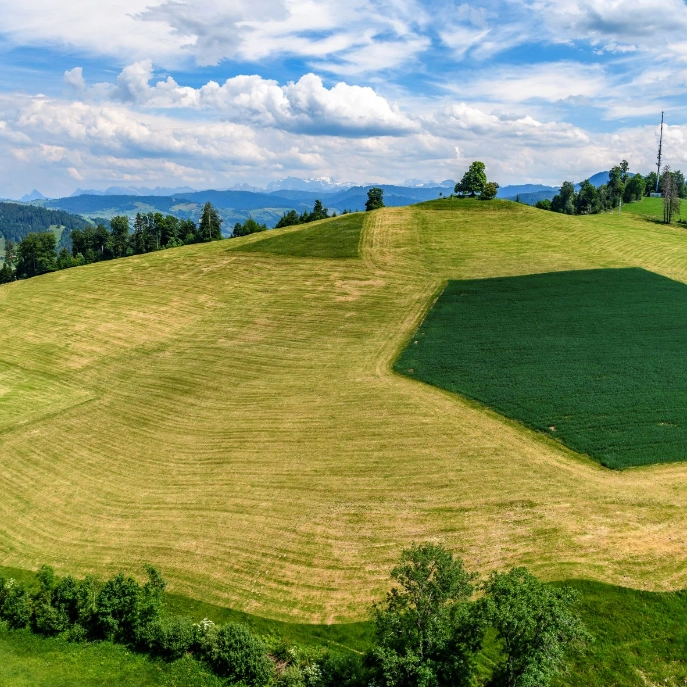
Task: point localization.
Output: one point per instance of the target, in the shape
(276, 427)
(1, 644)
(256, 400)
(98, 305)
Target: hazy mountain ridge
(268, 204)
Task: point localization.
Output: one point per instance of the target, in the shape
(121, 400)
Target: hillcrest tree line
(375, 200)
(428, 630)
(38, 252)
(622, 187)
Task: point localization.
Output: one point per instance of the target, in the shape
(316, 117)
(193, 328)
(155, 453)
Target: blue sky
(212, 93)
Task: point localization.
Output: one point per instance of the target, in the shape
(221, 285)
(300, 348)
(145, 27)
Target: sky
(214, 93)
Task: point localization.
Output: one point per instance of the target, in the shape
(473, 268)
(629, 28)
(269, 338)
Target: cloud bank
(210, 93)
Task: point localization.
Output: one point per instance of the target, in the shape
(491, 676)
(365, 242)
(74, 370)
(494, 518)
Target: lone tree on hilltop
(375, 199)
(473, 181)
(210, 224)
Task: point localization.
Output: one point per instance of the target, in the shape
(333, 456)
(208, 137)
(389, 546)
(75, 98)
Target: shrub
(234, 652)
(117, 613)
(337, 670)
(15, 604)
(490, 191)
(174, 637)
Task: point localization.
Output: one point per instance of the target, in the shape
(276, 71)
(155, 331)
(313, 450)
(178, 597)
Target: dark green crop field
(596, 359)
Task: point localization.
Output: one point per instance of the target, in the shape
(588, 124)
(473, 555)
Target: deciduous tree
(474, 180)
(535, 623)
(425, 631)
(490, 190)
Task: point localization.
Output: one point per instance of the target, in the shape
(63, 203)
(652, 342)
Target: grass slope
(337, 238)
(27, 660)
(593, 358)
(243, 428)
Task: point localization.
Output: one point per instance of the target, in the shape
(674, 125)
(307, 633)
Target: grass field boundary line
(581, 459)
(46, 416)
(416, 323)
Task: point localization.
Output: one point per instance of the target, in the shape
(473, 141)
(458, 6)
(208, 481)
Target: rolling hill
(229, 412)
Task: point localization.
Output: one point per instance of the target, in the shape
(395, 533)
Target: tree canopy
(473, 181)
(375, 199)
(426, 634)
(535, 623)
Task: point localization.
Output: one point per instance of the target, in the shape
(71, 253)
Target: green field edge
(494, 411)
(475, 404)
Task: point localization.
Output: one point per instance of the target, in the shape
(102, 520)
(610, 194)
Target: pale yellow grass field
(233, 418)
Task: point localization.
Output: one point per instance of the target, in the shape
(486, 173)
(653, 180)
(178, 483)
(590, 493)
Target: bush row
(429, 629)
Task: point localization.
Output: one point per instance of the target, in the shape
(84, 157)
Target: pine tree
(210, 224)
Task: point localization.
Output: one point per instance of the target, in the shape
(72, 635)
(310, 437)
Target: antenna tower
(660, 150)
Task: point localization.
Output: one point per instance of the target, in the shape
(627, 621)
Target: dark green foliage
(17, 221)
(338, 238)
(375, 199)
(237, 654)
(6, 273)
(125, 611)
(210, 228)
(288, 219)
(490, 190)
(634, 189)
(639, 638)
(94, 243)
(119, 228)
(10, 252)
(426, 633)
(535, 624)
(473, 181)
(543, 204)
(591, 358)
(344, 670)
(172, 637)
(117, 614)
(587, 200)
(15, 604)
(292, 218)
(250, 226)
(565, 201)
(651, 183)
(36, 255)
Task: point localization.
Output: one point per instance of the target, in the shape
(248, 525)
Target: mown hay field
(592, 358)
(233, 417)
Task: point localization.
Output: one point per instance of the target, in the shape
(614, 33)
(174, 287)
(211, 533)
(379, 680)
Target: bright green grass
(594, 358)
(342, 637)
(27, 660)
(638, 637)
(649, 208)
(338, 238)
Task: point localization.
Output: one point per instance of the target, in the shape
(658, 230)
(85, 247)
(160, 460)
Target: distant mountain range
(533, 193)
(237, 206)
(268, 204)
